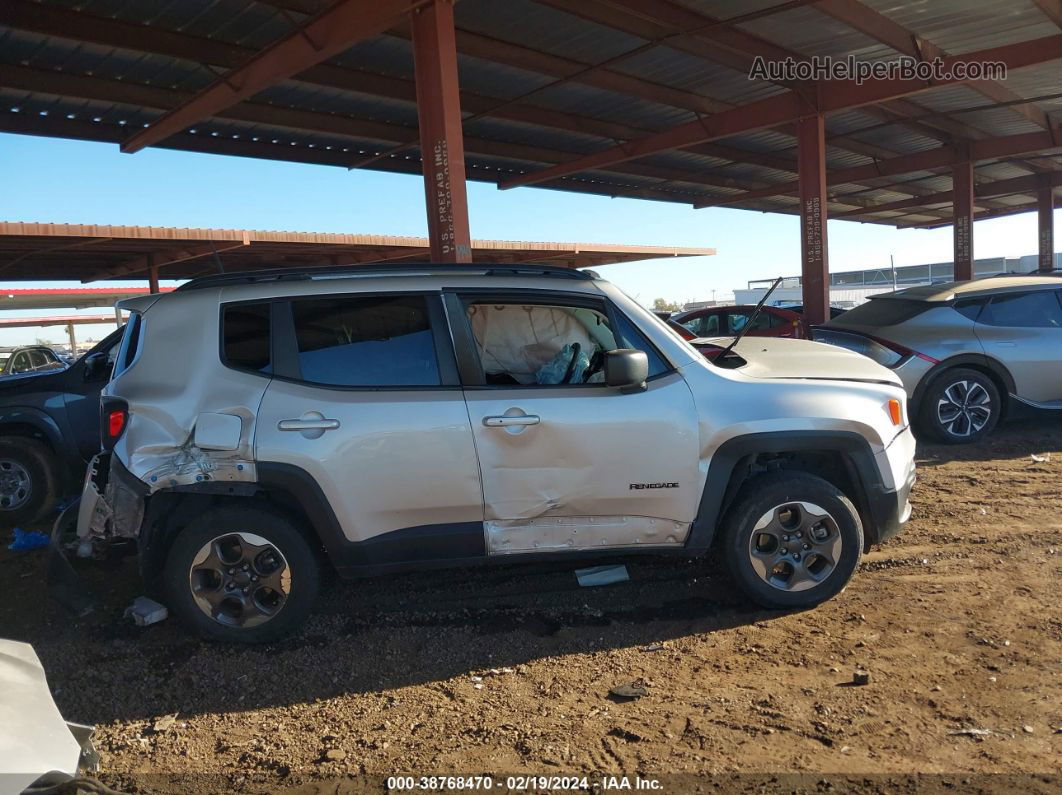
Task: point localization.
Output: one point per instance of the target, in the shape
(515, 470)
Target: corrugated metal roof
(79, 82)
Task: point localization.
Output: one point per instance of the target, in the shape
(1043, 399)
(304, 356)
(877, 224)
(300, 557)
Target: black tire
(806, 557)
(24, 460)
(226, 522)
(944, 392)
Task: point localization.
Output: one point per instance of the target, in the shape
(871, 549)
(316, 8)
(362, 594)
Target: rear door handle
(308, 425)
(519, 419)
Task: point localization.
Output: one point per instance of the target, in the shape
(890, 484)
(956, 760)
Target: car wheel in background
(959, 406)
(243, 575)
(29, 485)
(791, 540)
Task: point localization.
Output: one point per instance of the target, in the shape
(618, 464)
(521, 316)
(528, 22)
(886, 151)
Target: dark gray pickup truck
(49, 428)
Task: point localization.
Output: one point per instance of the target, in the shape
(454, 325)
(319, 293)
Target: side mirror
(627, 369)
(96, 367)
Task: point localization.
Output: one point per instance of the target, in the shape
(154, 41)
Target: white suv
(259, 426)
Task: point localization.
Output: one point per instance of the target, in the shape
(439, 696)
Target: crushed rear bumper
(112, 502)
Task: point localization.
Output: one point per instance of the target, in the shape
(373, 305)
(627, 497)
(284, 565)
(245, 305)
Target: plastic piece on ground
(146, 611)
(601, 575)
(28, 539)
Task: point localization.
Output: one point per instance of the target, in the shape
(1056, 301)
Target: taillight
(114, 416)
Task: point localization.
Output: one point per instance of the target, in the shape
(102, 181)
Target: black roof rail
(310, 272)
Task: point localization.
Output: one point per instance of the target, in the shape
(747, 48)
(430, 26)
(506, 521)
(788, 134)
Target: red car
(727, 321)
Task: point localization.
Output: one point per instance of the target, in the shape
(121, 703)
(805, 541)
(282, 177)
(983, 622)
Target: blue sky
(59, 181)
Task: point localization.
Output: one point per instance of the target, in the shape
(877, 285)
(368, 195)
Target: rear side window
(885, 312)
(245, 337)
(377, 341)
(1039, 309)
(970, 307)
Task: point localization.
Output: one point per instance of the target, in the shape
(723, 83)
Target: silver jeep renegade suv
(259, 426)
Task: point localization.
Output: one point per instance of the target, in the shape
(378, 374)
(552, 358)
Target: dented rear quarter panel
(166, 393)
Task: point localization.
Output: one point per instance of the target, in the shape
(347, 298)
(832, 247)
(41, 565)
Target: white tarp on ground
(34, 738)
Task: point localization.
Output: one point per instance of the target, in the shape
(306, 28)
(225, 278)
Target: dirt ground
(508, 671)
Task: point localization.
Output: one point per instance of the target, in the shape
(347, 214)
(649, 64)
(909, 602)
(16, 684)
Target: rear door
(568, 462)
(365, 401)
(1024, 332)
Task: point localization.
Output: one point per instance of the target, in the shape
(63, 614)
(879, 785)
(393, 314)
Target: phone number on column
(486, 782)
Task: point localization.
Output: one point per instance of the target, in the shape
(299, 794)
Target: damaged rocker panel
(582, 533)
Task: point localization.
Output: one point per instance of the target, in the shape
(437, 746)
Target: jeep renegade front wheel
(241, 574)
(791, 540)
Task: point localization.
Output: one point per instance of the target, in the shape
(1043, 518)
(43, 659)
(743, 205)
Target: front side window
(21, 363)
(704, 326)
(375, 341)
(549, 344)
(245, 337)
(1039, 309)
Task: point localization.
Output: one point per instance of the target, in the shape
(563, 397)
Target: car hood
(776, 357)
(35, 381)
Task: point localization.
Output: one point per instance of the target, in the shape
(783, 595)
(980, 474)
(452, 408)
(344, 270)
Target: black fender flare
(718, 494)
(977, 360)
(40, 421)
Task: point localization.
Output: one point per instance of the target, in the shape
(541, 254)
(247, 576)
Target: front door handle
(519, 419)
(308, 425)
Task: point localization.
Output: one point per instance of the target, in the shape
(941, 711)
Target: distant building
(851, 288)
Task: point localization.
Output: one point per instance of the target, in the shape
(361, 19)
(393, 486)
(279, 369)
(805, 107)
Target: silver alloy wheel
(16, 487)
(795, 546)
(964, 408)
(240, 580)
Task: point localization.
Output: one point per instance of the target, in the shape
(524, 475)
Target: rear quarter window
(130, 344)
(245, 337)
(885, 312)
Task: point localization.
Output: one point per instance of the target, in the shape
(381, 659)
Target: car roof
(947, 291)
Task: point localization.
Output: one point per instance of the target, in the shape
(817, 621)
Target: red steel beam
(1045, 207)
(984, 149)
(320, 37)
(153, 274)
(814, 259)
(789, 107)
(441, 142)
(962, 185)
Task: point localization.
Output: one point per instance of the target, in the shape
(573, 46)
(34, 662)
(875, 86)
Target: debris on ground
(861, 677)
(1041, 459)
(1028, 729)
(601, 575)
(632, 690)
(146, 612)
(972, 733)
(26, 540)
(165, 723)
(655, 647)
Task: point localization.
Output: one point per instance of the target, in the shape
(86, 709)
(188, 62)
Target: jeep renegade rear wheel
(241, 574)
(792, 540)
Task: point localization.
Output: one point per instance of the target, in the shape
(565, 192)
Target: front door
(567, 462)
(1024, 331)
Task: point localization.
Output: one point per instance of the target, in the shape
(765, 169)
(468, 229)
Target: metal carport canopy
(47, 252)
(639, 98)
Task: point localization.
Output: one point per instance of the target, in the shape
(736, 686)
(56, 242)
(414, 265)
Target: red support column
(1046, 215)
(811, 164)
(153, 276)
(962, 185)
(441, 143)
